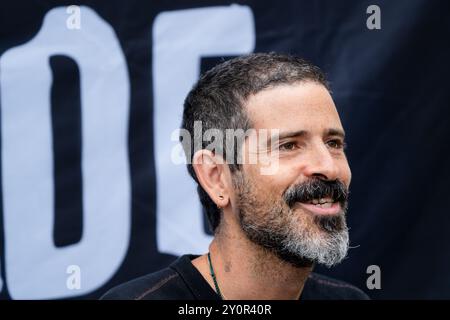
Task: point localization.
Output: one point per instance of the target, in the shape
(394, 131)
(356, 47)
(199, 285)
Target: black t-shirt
(182, 281)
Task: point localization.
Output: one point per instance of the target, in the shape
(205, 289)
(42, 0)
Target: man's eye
(336, 144)
(288, 146)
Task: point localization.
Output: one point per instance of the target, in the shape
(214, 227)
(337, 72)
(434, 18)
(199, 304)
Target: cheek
(273, 186)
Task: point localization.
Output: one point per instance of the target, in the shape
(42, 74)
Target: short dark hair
(217, 100)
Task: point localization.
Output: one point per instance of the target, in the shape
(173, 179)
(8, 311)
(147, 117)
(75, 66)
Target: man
(273, 219)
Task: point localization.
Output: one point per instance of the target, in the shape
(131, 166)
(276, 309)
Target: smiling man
(270, 229)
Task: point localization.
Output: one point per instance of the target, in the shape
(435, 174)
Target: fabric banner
(91, 96)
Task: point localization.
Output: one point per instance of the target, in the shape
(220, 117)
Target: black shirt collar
(194, 280)
(199, 287)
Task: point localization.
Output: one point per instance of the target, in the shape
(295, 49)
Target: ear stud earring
(221, 198)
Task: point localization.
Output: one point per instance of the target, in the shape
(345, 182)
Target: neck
(246, 271)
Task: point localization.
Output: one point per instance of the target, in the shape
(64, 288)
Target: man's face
(279, 211)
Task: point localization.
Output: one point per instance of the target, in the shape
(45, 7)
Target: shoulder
(160, 285)
(320, 287)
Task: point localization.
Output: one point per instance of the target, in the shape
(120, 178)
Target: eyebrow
(303, 133)
(335, 132)
(291, 134)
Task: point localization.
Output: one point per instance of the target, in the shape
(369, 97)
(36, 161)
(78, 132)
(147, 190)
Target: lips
(324, 206)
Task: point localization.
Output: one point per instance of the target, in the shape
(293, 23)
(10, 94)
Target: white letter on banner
(35, 268)
(180, 39)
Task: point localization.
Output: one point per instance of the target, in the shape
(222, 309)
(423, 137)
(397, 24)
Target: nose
(320, 163)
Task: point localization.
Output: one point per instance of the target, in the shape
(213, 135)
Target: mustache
(315, 189)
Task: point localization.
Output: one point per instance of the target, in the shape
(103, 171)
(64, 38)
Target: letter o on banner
(35, 268)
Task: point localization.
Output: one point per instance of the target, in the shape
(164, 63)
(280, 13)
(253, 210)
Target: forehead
(301, 106)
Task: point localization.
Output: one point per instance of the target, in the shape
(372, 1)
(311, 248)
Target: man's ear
(211, 170)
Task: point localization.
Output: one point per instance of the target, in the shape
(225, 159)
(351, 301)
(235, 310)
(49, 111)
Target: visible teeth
(325, 205)
(322, 201)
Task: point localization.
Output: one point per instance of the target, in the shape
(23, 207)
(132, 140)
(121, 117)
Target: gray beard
(289, 235)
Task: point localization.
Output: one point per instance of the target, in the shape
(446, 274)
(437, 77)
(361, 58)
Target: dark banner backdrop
(89, 195)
